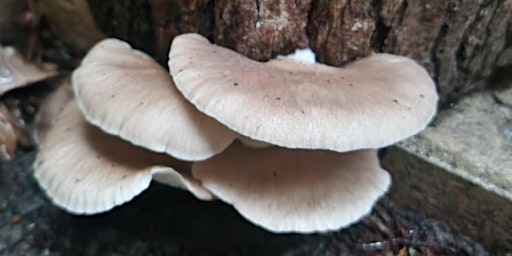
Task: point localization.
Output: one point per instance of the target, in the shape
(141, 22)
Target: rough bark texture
(18, 24)
(73, 22)
(460, 42)
(261, 29)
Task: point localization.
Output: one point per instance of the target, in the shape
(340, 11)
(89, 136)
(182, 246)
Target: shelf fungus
(371, 103)
(86, 171)
(325, 122)
(126, 93)
(305, 160)
(295, 190)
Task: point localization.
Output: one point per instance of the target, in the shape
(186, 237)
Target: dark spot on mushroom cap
(77, 180)
(422, 96)
(274, 173)
(235, 84)
(278, 98)
(395, 100)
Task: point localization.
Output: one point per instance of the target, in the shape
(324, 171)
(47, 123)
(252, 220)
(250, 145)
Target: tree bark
(460, 42)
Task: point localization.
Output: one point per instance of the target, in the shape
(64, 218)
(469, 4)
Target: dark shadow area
(166, 221)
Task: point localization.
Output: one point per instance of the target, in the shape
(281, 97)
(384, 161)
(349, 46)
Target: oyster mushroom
(126, 93)
(371, 103)
(86, 171)
(295, 190)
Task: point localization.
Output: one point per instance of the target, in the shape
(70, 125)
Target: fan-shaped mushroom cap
(126, 93)
(287, 190)
(86, 171)
(370, 103)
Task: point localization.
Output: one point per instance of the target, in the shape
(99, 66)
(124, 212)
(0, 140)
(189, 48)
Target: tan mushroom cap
(126, 93)
(287, 190)
(370, 103)
(86, 171)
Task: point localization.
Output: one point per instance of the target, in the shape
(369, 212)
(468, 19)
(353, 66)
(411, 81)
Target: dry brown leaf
(16, 72)
(9, 132)
(403, 251)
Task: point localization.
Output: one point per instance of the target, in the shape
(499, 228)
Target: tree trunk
(460, 42)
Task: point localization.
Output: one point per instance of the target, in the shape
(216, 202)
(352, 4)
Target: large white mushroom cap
(126, 93)
(293, 190)
(86, 171)
(370, 103)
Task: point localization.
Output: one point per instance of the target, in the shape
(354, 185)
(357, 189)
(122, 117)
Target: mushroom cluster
(290, 144)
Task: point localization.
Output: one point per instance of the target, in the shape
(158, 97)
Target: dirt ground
(164, 221)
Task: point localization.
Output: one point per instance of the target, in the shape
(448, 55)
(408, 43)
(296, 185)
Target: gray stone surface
(460, 168)
(473, 139)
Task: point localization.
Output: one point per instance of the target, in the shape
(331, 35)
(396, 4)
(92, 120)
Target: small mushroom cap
(370, 103)
(286, 190)
(126, 93)
(86, 171)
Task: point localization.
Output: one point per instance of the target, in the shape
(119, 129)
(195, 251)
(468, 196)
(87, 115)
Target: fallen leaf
(16, 219)
(9, 132)
(16, 72)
